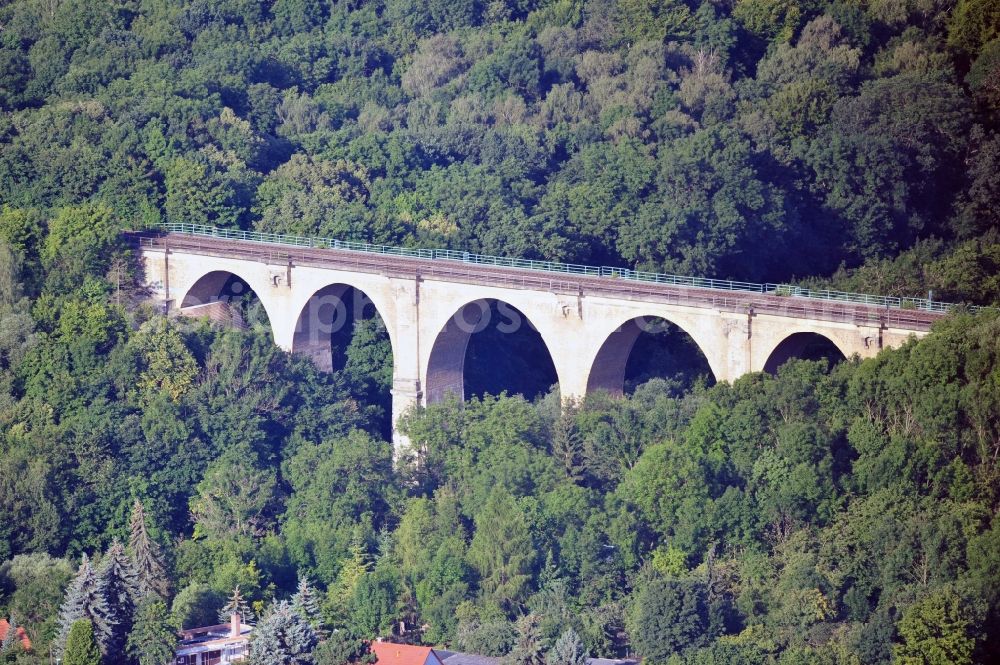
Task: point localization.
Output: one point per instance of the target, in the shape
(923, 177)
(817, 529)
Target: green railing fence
(788, 290)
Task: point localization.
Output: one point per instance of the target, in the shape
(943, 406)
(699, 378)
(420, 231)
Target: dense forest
(156, 473)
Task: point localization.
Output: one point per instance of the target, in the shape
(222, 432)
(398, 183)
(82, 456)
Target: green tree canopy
(153, 638)
(81, 647)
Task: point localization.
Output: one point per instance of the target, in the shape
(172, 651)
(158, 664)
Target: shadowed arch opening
(341, 330)
(646, 348)
(805, 346)
(487, 347)
(226, 298)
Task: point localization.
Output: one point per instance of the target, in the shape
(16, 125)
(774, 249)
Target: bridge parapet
(464, 267)
(293, 241)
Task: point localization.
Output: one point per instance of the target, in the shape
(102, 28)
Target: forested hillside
(753, 139)
(825, 515)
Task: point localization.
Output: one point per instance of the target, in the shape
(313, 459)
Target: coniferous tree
(84, 600)
(282, 637)
(118, 579)
(352, 570)
(306, 602)
(568, 650)
(552, 602)
(549, 572)
(567, 447)
(239, 605)
(501, 549)
(81, 647)
(145, 552)
(153, 638)
(528, 647)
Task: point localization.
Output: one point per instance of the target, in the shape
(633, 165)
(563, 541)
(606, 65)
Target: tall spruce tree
(119, 581)
(567, 447)
(84, 600)
(568, 650)
(81, 647)
(528, 647)
(306, 602)
(151, 577)
(282, 637)
(501, 549)
(352, 570)
(239, 605)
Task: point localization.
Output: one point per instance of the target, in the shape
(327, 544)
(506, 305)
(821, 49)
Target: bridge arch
(446, 371)
(207, 289)
(338, 317)
(805, 345)
(332, 309)
(213, 293)
(608, 369)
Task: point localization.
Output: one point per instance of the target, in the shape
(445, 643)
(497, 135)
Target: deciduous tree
(153, 639)
(667, 617)
(936, 630)
(233, 498)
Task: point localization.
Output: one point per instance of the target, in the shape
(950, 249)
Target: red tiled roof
(387, 653)
(21, 635)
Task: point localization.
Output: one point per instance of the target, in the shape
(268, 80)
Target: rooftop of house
(206, 636)
(387, 653)
(21, 635)
(459, 658)
(410, 655)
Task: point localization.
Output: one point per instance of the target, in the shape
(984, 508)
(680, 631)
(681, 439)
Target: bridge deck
(453, 270)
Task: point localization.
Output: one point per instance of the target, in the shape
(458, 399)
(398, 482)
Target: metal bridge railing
(789, 290)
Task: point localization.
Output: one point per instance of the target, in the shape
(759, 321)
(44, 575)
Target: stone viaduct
(432, 301)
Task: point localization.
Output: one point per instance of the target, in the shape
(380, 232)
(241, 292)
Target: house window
(212, 658)
(191, 659)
